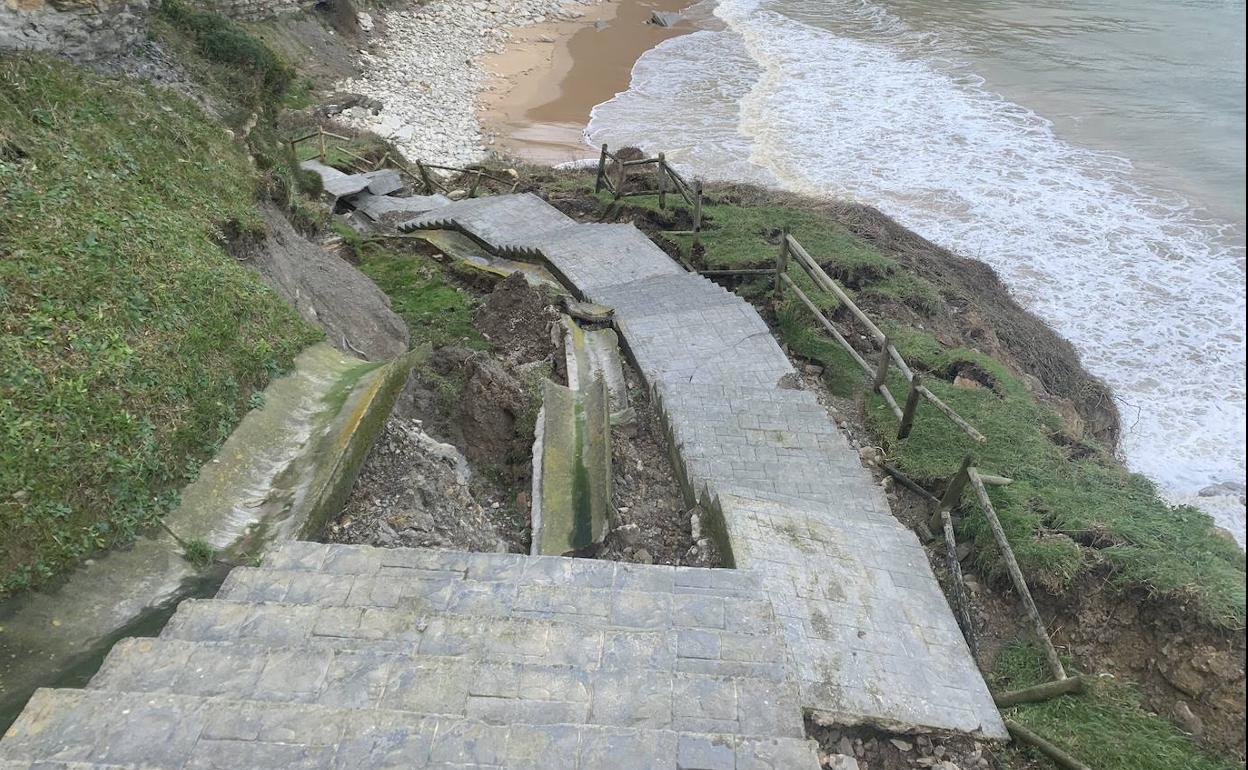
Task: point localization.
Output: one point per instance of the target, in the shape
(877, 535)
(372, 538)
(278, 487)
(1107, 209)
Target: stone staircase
(354, 657)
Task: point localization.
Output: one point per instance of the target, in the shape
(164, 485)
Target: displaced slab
(340, 185)
(589, 256)
(380, 208)
(590, 354)
(495, 221)
(572, 502)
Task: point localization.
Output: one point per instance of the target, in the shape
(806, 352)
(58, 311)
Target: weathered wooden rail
(791, 251)
(429, 183)
(614, 179)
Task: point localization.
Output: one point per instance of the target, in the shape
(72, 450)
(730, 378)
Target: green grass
(1105, 727)
(436, 313)
(1063, 517)
(130, 341)
(199, 552)
(251, 71)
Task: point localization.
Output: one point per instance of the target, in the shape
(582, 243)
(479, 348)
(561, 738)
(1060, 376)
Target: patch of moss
(436, 312)
(1106, 727)
(132, 342)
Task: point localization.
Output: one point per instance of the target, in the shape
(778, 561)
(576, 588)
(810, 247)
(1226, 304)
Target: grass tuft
(199, 553)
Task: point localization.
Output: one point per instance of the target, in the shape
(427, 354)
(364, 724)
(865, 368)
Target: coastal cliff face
(81, 30)
(89, 30)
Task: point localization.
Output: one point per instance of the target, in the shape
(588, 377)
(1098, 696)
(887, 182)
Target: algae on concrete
(591, 353)
(471, 254)
(572, 470)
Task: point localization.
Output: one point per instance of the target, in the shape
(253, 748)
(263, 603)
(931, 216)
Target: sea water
(1091, 151)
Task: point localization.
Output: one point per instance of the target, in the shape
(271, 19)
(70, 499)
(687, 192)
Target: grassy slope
(131, 341)
(1056, 503)
(1105, 727)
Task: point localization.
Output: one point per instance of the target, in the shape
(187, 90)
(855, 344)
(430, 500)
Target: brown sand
(549, 76)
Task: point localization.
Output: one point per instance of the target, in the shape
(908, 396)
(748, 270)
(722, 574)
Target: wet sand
(544, 84)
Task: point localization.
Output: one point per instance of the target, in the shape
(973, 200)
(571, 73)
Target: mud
(518, 320)
(326, 290)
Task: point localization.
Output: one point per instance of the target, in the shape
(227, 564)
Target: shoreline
(453, 82)
(542, 86)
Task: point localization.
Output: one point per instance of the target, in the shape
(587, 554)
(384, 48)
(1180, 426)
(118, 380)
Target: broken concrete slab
(379, 207)
(572, 470)
(592, 354)
(340, 185)
(665, 18)
(589, 312)
(471, 254)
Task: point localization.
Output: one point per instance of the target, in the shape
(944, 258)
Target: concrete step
(180, 732)
(716, 599)
(507, 568)
(495, 220)
(752, 649)
(616, 692)
(665, 294)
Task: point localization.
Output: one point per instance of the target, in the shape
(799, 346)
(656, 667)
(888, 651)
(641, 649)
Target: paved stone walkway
(331, 656)
(868, 628)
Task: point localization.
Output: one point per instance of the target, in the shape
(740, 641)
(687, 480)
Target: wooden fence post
(959, 587)
(912, 405)
(697, 212)
(424, 178)
(1016, 574)
(619, 178)
(602, 170)
(782, 267)
(662, 166)
(881, 369)
(321, 134)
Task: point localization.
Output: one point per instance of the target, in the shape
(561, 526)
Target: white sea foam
(1151, 294)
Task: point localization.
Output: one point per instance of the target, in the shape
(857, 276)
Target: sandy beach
(541, 87)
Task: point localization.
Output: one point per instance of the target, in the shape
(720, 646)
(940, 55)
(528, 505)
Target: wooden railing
(429, 183)
(792, 251)
(614, 180)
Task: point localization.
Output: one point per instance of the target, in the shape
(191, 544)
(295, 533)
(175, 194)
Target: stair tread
(623, 688)
(181, 731)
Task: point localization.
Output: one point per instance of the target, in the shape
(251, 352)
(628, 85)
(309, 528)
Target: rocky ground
(652, 523)
(865, 748)
(422, 71)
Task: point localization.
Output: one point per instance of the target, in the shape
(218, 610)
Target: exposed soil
(1192, 674)
(874, 749)
(652, 525)
(326, 290)
(518, 321)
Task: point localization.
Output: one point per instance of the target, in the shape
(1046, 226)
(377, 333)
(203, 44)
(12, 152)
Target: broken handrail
(421, 175)
(691, 193)
(790, 247)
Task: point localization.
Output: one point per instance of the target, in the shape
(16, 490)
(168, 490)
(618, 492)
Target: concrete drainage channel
(284, 469)
(572, 447)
